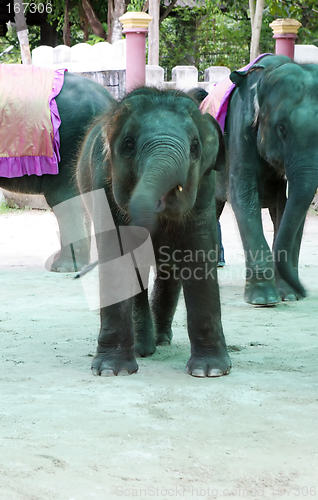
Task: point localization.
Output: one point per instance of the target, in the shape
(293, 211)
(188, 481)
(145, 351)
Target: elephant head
(284, 116)
(160, 147)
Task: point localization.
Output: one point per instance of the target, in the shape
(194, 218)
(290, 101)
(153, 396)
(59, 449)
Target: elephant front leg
(209, 356)
(164, 301)
(118, 285)
(286, 291)
(115, 350)
(145, 344)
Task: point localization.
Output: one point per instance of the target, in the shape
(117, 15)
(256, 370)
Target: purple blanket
(29, 120)
(216, 103)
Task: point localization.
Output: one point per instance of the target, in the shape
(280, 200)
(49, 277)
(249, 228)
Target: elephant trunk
(298, 202)
(162, 172)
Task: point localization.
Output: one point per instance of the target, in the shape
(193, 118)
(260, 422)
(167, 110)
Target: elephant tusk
(180, 188)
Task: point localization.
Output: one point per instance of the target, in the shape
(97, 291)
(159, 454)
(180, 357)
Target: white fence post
(185, 77)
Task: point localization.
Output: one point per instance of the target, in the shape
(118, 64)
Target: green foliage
(92, 39)
(177, 38)
(289, 8)
(210, 33)
(11, 38)
(224, 39)
(220, 33)
(305, 12)
(135, 6)
(6, 208)
(76, 19)
(205, 36)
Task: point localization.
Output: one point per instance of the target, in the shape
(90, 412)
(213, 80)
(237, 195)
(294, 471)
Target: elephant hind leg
(219, 205)
(74, 235)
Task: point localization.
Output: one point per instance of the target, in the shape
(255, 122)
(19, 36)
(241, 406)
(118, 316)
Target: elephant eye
(195, 148)
(128, 145)
(282, 130)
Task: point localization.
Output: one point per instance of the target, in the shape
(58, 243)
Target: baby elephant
(153, 155)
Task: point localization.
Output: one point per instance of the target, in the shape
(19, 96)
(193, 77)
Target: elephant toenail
(215, 372)
(107, 373)
(123, 373)
(61, 270)
(198, 372)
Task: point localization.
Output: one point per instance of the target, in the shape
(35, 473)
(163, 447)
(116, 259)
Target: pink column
(135, 27)
(135, 57)
(285, 34)
(285, 45)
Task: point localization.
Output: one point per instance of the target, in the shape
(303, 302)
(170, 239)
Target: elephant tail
(86, 270)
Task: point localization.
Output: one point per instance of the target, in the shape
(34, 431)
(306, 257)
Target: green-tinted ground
(66, 435)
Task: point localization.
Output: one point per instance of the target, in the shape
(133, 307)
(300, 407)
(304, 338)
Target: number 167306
(41, 8)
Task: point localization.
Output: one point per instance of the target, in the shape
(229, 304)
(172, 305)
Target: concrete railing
(82, 57)
(185, 77)
(106, 64)
(306, 54)
(103, 62)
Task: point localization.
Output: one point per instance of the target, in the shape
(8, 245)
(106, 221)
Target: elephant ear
(248, 83)
(247, 80)
(213, 148)
(246, 87)
(268, 63)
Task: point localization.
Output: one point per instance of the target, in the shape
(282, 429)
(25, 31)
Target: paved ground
(66, 435)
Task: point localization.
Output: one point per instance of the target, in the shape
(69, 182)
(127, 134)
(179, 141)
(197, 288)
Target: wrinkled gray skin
(271, 134)
(154, 155)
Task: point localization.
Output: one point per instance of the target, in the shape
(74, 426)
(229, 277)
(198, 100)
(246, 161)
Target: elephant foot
(260, 293)
(67, 263)
(110, 362)
(145, 344)
(215, 364)
(287, 292)
(145, 348)
(164, 337)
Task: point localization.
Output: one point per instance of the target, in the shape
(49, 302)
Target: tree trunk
(22, 32)
(117, 30)
(66, 27)
(168, 10)
(256, 28)
(153, 35)
(93, 20)
(110, 14)
(252, 11)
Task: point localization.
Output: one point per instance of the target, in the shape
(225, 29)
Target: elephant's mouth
(161, 205)
(170, 199)
(175, 205)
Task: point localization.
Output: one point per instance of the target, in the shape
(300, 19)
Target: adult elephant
(271, 137)
(154, 156)
(79, 102)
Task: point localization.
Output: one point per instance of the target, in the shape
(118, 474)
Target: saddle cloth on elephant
(217, 101)
(29, 120)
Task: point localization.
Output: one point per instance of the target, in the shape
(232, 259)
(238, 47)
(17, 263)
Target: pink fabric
(216, 103)
(38, 165)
